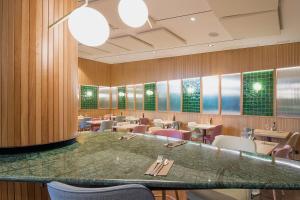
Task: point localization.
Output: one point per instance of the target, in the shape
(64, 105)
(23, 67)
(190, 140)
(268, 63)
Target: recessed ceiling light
(211, 45)
(193, 19)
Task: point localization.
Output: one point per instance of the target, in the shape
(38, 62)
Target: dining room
(149, 99)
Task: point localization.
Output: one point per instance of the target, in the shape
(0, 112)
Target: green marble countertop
(103, 160)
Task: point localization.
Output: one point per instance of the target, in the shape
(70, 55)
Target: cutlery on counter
(158, 161)
(161, 166)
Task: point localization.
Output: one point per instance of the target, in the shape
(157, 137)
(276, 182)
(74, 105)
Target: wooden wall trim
(205, 64)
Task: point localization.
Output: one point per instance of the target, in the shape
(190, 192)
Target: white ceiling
(227, 24)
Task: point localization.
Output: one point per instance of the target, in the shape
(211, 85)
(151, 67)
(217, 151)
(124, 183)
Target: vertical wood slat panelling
(38, 81)
(214, 63)
(1, 33)
(29, 83)
(93, 73)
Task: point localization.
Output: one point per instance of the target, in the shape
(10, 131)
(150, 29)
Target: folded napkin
(175, 144)
(127, 137)
(162, 170)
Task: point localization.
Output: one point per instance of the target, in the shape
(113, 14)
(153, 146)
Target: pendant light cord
(67, 15)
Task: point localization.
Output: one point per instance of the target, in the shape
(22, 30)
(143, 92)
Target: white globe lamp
(133, 13)
(88, 26)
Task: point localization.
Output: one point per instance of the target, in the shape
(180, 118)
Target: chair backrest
(105, 125)
(59, 191)
(140, 129)
(216, 131)
(283, 152)
(120, 119)
(234, 143)
(154, 128)
(83, 122)
(173, 134)
(294, 140)
(175, 125)
(144, 121)
(158, 124)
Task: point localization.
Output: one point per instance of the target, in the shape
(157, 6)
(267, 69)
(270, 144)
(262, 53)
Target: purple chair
(144, 121)
(140, 129)
(283, 152)
(173, 134)
(215, 132)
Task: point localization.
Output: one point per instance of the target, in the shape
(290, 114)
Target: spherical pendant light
(88, 26)
(133, 13)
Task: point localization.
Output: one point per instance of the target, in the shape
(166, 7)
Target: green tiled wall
(149, 99)
(88, 97)
(121, 97)
(191, 95)
(258, 93)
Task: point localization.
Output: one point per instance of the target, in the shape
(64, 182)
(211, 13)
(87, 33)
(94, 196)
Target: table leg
(204, 134)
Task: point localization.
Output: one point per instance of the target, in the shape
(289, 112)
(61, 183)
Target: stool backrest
(234, 143)
(60, 191)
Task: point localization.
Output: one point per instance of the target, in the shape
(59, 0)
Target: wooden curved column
(38, 73)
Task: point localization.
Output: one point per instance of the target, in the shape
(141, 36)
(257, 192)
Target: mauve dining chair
(214, 132)
(60, 191)
(173, 133)
(140, 129)
(144, 121)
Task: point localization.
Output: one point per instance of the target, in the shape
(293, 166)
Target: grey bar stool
(60, 191)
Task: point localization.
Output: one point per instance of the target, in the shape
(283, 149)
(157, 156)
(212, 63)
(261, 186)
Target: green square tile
(88, 97)
(258, 93)
(150, 96)
(191, 95)
(121, 97)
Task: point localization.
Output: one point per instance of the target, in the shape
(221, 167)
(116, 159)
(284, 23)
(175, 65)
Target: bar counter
(104, 160)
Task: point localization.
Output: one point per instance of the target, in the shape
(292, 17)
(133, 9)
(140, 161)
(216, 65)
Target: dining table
(125, 127)
(101, 160)
(269, 134)
(132, 119)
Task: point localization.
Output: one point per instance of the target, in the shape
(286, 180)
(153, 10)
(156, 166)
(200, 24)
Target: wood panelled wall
(214, 63)
(38, 81)
(38, 73)
(93, 73)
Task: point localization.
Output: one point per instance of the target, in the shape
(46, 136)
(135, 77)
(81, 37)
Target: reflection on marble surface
(103, 160)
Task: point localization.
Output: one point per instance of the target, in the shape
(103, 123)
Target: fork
(165, 162)
(159, 160)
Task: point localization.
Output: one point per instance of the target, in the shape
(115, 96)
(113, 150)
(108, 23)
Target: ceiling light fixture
(133, 13)
(87, 25)
(193, 19)
(211, 45)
